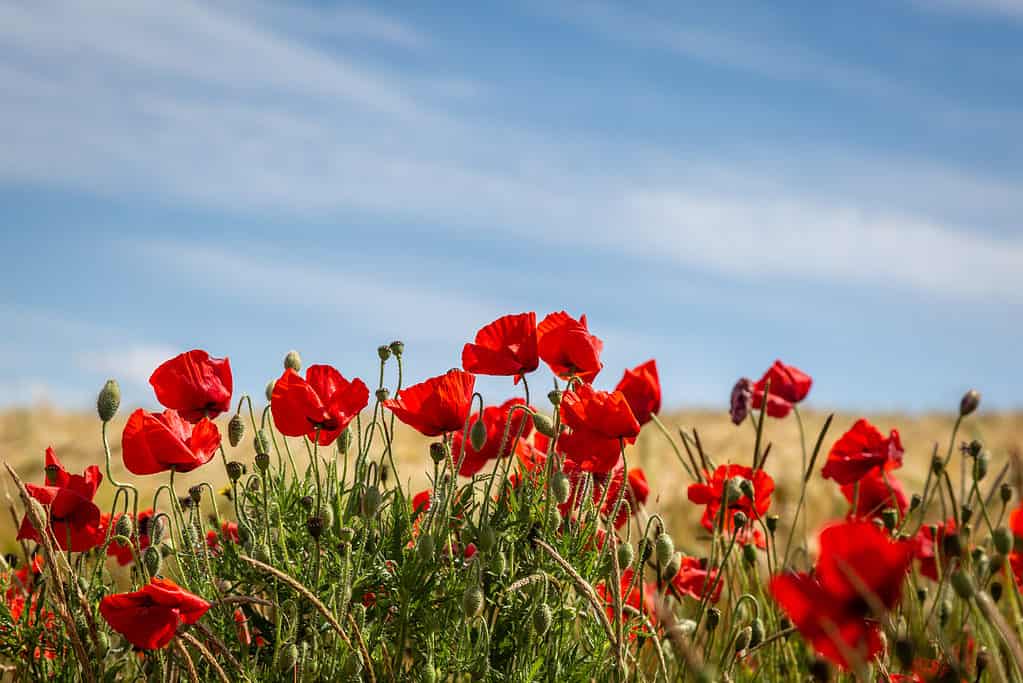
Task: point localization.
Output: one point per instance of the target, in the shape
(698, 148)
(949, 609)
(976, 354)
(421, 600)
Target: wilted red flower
(74, 519)
(642, 390)
(924, 547)
(712, 494)
(599, 420)
(789, 386)
(860, 450)
(875, 494)
(437, 406)
(157, 442)
(494, 419)
(149, 618)
(694, 580)
(324, 402)
(194, 384)
(858, 566)
(123, 551)
(567, 346)
(507, 346)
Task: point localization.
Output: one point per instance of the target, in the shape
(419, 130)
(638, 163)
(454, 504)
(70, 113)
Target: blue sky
(836, 184)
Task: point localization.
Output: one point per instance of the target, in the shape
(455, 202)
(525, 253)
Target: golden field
(25, 433)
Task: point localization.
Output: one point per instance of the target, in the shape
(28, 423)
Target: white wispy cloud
(129, 364)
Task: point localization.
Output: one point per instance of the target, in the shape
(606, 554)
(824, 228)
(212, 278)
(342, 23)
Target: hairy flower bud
(292, 361)
(625, 555)
(560, 487)
(542, 618)
(969, 402)
(1002, 540)
(478, 435)
(439, 451)
(109, 400)
(543, 424)
(672, 566)
(756, 633)
(980, 464)
(152, 560)
(664, 548)
(472, 601)
(370, 502)
(235, 430)
(157, 527)
(963, 584)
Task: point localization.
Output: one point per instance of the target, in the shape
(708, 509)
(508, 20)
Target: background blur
(715, 186)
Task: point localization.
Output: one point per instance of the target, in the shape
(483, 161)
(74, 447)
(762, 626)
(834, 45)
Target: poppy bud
(438, 451)
(543, 424)
(672, 567)
(772, 523)
(756, 633)
(1002, 540)
(370, 502)
(1005, 493)
(554, 518)
(487, 539)
(398, 348)
(235, 430)
(905, 652)
(123, 527)
(156, 528)
(472, 601)
(152, 560)
(102, 644)
(950, 544)
(554, 396)
(733, 491)
(963, 584)
(314, 525)
(235, 470)
(625, 555)
(664, 548)
(921, 595)
(743, 638)
(344, 441)
(195, 493)
(996, 562)
(497, 564)
(382, 394)
(937, 465)
(995, 589)
(713, 618)
(915, 501)
(746, 486)
(749, 553)
(969, 402)
(384, 352)
(478, 435)
(965, 513)
(109, 400)
(542, 618)
(944, 612)
(560, 487)
(741, 400)
(980, 464)
(739, 519)
(292, 361)
(425, 548)
(269, 391)
(890, 517)
(288, 659)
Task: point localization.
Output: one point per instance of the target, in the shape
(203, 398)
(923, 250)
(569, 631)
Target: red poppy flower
(421, 502)
(437, 406)
(123, 552)
(635, 494)
(1015, 556)
(599, 421)
(631, 597)
(157, 442)
(924, 547)
(149, 618)
(494, 419)
(323, 402)
(694, 580)
(875, 494)
(789, 386)
(858, 565)
(194, 384)
(712, 493)
(505, 347)
(642, 390)
(567, 346)
(860, 450)
(74, 519)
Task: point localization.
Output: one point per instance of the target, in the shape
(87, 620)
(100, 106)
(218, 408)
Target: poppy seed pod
(262, 461)
(543, 424)
(384, 352)
(951, 545)
(123, 526)
(292, 361)
(1002, 540)
(478, 435)
(560, 487)
(963, 584)
(438, 451)
(625, 555)
(554, 396)
(733, 490)
(397, 348)
(195, 493)
(713, 618)
(739, 519)
(314, 525)
(235, 470)
(772, 523)
(746, 486)
(152, 560)
(235, 430)
(472, 602)
(1005, 493)
(664, 548)
(382, 394)
(980, 464)
(937, 465)
(542, 618)
(968, 404)
(749, 553)
(109, 400)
